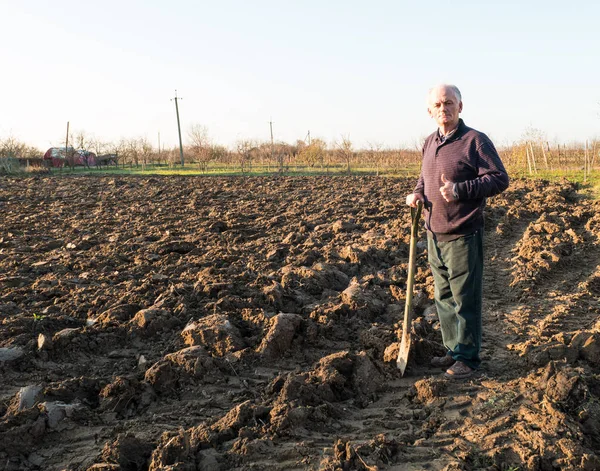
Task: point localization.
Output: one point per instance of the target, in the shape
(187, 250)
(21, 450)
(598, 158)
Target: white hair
(454, 89)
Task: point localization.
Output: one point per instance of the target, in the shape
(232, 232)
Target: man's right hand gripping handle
(411, 200)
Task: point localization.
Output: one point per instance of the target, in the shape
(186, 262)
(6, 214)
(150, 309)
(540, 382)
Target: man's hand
(411, 200)
(447, 189)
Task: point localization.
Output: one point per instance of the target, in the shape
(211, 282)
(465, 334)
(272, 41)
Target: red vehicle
(61, 156)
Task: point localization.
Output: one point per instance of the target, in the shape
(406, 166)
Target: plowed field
(252, 324)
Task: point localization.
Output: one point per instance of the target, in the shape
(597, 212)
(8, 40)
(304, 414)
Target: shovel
(415, 214)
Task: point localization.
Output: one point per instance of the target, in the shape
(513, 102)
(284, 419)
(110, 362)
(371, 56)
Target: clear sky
(354, 68)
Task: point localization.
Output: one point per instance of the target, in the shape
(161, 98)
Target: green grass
(574, 175)
(590, 187)
(234, 170)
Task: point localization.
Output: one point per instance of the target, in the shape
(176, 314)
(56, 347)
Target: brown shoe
(459, 371)
(442, 362)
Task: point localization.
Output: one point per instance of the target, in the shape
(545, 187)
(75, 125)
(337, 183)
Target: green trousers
(457, 268)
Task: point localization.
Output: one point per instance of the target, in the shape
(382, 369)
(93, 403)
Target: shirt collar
(443, 138)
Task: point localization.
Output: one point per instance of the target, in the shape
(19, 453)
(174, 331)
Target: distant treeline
(530, 155)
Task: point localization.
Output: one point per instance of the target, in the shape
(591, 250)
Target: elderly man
(460, 169)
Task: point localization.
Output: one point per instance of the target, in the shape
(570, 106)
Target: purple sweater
(469, 159)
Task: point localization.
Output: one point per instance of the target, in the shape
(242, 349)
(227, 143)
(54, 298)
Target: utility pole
(159, 147)
(67, 141)
(178, 127)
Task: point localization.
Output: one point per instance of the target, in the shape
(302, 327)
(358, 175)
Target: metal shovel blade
(412, 256)
(404, 351)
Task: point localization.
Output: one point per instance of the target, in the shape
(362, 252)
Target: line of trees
(532, 153)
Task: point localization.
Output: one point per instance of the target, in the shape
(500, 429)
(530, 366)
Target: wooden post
(528, 161)
(559, 156)
(533, 158)
(544, 155)
(585, 162)
(549, 153)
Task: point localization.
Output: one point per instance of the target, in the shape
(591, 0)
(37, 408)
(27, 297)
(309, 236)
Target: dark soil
(252, 324)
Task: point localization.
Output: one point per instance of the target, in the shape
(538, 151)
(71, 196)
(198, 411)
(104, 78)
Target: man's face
(444, 107)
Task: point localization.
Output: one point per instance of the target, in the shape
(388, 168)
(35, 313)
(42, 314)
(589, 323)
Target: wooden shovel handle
(415, 214)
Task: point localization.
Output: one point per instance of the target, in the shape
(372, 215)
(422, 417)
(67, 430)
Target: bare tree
(83, 142)
(314, 153)
(11, 147)
(344, 151)
(534, 138)
(375, 154)
(131, 151)
(145, 150)
(200, 148)
(300, 145)
(246, 151)
(218, 153)
(99, 146)
(13, 151)
(282, 151)
(265, 151)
